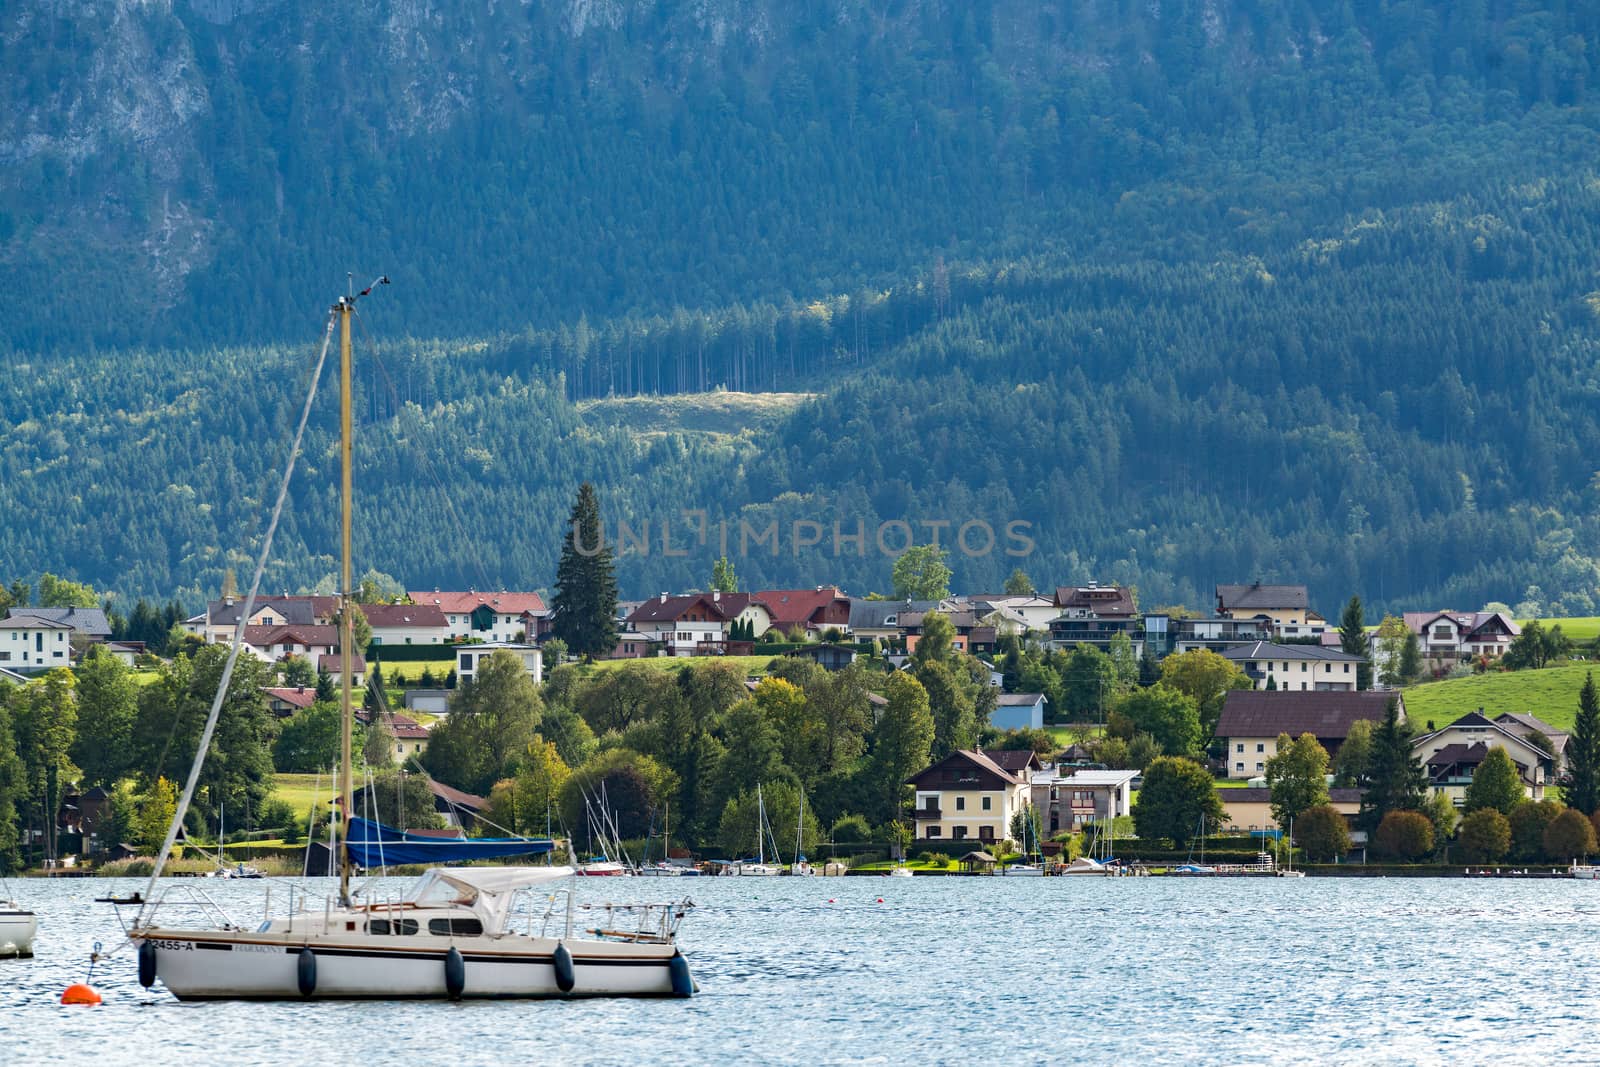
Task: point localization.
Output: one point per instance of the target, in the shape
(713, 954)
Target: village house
(968, 795)
(692, 624)
(1035, 611)
(410, 736)
(90, 624)
(1018, 711)
(1092, 615)
(1286, 607)
(744, 608)
(631, 644)
(808, 610)
(1067, 797)
(470, 658)
(1302, 668)
(1250, 809)
(1251, 721)
(222, 617)
(406, 624)
(828, 657)
(502, 617)
(30, 645)
(1454, 636)
(1164, 635)
(1453, 754)
(277, 642)
(285, 701)
(879, 620)
(331, 665)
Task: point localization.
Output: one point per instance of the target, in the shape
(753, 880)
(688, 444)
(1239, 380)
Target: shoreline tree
(1297, 777)
(1396, 781)
(1582, 788)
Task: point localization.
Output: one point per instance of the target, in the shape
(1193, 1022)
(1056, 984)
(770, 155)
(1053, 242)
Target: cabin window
(401, 927)
(455, 927)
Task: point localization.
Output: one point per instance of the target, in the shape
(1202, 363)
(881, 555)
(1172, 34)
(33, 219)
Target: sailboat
(760, 868)
(800, 866)
(457, 932)
(1026, 869)
(1288, 871)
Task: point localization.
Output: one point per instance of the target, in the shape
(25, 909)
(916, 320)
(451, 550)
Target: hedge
(412, 653)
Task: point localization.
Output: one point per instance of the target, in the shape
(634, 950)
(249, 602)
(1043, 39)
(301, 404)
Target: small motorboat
(1023, 870)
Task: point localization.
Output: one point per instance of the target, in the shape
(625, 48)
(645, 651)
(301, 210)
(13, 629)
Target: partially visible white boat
(17, 930)
(1083, 865)
(603, 869)
(1023, 870)
(1588, 872)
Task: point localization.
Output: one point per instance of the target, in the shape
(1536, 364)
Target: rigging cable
(238, 629)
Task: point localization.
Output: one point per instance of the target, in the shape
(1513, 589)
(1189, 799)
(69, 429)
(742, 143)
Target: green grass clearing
(299, 791)
(412, 671)
(1583, 629)
(1550, 694)
(748, 665)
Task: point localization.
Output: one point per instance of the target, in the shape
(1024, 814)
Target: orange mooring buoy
(78, 993)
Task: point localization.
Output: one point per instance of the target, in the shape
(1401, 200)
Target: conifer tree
(1353, 639)
(1396, 781)
(1582, 790)
(584, 608)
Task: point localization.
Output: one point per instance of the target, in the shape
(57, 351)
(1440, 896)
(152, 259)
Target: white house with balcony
(971, 795)
(471, 658)
(500, 617)
(1296, 668)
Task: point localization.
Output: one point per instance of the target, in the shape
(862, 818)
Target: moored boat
(452, 936)
(18, 927)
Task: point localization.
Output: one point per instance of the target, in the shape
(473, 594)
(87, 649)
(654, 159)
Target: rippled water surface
(943, 970)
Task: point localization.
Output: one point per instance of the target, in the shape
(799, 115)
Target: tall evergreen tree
(584, 610)
(1396, 780)
(1353, 639)
(1582, 788)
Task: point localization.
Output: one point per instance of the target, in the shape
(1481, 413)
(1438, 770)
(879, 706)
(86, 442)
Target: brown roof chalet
(1324, 715)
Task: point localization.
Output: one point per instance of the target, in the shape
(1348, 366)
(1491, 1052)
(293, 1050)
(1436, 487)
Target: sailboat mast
(345, 307)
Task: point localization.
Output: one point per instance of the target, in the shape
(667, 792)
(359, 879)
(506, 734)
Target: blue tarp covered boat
(373, 844)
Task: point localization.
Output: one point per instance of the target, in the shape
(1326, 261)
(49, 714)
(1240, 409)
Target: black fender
(682, 980)
(147, 964)
(455, 973)
(306, 972)
(566, 974)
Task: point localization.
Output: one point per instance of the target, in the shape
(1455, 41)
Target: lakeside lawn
(748, 665)
(1550, 694)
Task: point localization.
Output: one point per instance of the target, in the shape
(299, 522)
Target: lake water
(944, 970)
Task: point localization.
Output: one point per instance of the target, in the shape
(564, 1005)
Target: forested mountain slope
(1201, 291)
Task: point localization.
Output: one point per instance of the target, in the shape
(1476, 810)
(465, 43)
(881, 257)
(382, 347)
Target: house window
(1239, 747)
(958, 832)
(933, 831)
(1261, 746)
(1238, 766)
(1302, 687)
(961, 803)
(1260, 767)
(1302, 668)
(1347, 668)
(986, 801)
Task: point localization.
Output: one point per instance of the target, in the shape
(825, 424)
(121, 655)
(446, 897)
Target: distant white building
(29, 644)
(500, 617)
(469, 658)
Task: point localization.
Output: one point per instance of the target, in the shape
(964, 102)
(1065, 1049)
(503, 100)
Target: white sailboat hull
(17, 930)
(217, 966)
